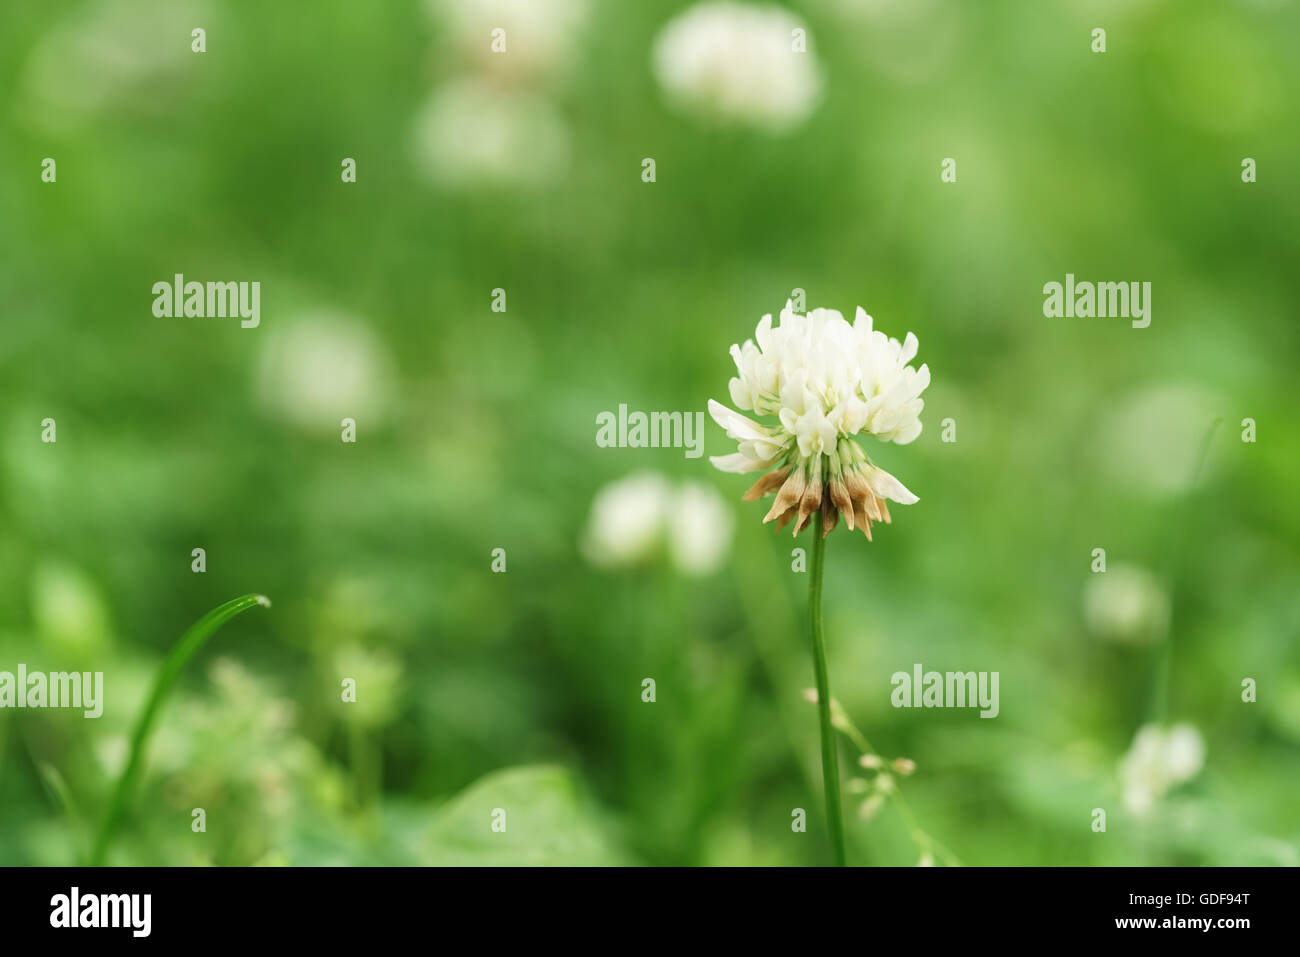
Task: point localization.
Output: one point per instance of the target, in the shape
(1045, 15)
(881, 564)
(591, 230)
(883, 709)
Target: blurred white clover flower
(1126, 604)
(319, 368)
(1158, 760)
(1150, 442)
(540, 35)
(626, 520)
(739, 61)
(634, 518)
(699, 528)
(109, 54)
(825, 381)
(472, 133)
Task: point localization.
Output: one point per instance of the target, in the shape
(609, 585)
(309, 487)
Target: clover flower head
(474, 133)
(738, 63)
(641, 516)
(825, 381)
(542, 35)
(1159, 759)
(1127, 605)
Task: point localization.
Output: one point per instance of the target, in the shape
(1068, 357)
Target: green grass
(194, 638)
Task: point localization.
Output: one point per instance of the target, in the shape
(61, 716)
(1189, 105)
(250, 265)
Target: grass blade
(190, 642)
(62, 797)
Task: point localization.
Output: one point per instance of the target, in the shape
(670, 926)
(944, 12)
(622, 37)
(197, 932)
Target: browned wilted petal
(839, 497)
(870, 504)
(864, 522)
(768, 484)
(856, 485)
(810, 502)
(791, 491)
(830, 516)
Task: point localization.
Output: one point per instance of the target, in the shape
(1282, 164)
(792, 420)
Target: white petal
(827, 433)
(794, 395)
(738, 358)
(908, 432)
(739, 463)
(855, 416)
(740, 394)
(922, 378)
(760, 451)
(789, 420)
(737, 426)
(910, 345)
(886, 486)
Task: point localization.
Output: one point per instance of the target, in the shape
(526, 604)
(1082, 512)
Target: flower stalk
(830, 758)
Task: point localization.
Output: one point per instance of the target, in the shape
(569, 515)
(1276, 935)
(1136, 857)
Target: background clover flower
(644, 516)
(738, 62)
(825, 381)
(1127, 605)
(541, 36)
(1159, 760)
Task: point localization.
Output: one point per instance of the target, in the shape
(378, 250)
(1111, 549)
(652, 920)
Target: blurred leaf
(548, 821)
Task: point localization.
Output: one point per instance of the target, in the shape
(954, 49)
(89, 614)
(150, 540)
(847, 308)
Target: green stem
(830, 760)
(1181, 521)
(190, 642)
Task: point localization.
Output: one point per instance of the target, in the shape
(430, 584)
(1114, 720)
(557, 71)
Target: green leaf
(548, 822)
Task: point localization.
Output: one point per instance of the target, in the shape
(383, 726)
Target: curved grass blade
(190, 642)
(62, 797)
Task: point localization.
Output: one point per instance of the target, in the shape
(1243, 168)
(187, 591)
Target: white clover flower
(472, 133)
(825, 381)
(1126, 604)
(626, 520)
(699, 529)
(1158, 760)
(540, 35)
(108, 57)
(637, 517)
(738, 61)
(321, 367)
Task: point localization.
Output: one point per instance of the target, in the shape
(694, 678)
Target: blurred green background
(523, 690)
